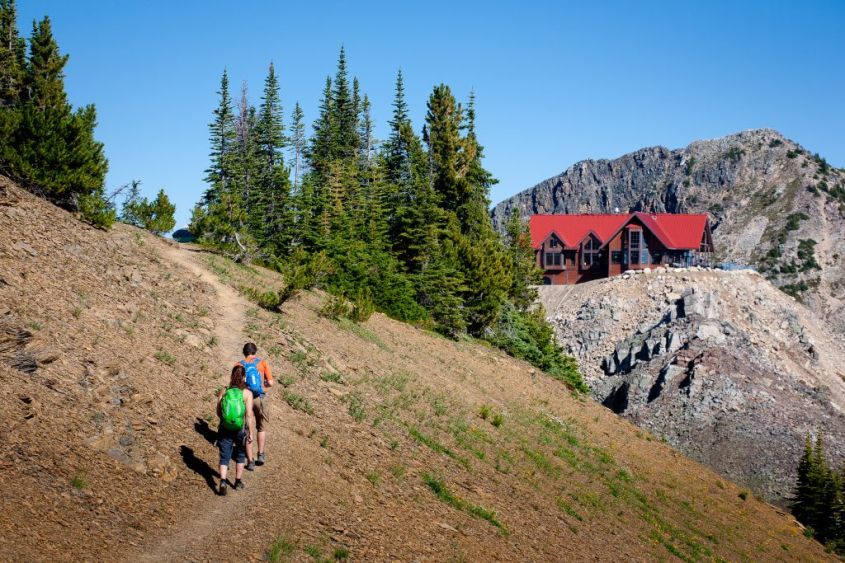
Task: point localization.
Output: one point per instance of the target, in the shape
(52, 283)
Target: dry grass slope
(387, 442)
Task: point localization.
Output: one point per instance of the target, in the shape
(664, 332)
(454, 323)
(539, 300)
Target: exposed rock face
(725, 367)
(765, 193)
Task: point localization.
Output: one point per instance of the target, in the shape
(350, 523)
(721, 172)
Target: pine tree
(816, 491)
(442, 136)
(365, 135)
(523, 266)
(47, 145)
(345, 113)
(221, 138)
(320, 151)
(297, 144)
(12, 56)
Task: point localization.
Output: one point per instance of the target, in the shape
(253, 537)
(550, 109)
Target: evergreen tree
(523, 266)
(297, 144)
(132, 208)
(45, 144)
(320, 151)
(365, 135)
(221, 138)
(345, 142)
(12, 56)
(159, 216)
(816, 491)
(442, 136)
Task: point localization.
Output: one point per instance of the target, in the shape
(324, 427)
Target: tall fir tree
(12, 56)
(297, 144)
(345, 113)
(47, 145)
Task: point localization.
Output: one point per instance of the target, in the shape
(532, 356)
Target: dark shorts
(231, 445)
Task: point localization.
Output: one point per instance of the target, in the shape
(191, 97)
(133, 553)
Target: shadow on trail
(200, 467)
(205, 431)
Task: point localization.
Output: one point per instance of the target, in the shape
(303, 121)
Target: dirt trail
(186, 541)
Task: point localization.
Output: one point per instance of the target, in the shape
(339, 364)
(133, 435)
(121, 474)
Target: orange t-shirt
(263, 369)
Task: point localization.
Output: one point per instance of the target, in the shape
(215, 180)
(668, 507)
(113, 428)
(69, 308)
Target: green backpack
(232, 409)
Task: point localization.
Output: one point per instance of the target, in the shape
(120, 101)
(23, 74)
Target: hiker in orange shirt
(257, 377)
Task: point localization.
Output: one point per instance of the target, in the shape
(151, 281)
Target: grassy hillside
(387, 442)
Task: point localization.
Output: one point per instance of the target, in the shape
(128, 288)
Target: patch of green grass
(355, 406)
(76, 312)
(333, 377)
(566, 507)
(78, 481)
(297, 402)
(431, 443)
(396, 381)
(542, 462)
(280, 550)
(398, 471)
(287, 381)
(438, 405)
(340, 553)
(35, 325)
(484, 411)
(443, 493)
(361, 332)
(497, 420)
(373, 477)
(314, 552)
(165, 357)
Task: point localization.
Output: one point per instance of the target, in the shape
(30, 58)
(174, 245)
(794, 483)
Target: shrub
(363, 306)
(527, 335)
(335, 307)
(775, 143)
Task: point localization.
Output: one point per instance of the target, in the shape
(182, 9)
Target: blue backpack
(253, 376)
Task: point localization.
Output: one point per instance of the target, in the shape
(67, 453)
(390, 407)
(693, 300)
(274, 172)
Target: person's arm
(220, 398)
(250, 417)
(268, 377)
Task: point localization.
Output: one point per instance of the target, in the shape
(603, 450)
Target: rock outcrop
(775, 206)
(722, 365)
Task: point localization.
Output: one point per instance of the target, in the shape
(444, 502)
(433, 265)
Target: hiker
(257, 377)
(234, 407)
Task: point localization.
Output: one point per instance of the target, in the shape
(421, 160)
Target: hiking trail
(188, 541)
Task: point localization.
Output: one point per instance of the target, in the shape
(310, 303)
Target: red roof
(675, 230)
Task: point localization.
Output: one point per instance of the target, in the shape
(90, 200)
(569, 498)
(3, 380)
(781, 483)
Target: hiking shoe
(262, 458)
(239, 485)
(224, 488)
(250, 466)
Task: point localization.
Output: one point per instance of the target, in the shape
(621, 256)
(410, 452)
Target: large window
(635, 246)
(553, 259)
(590, 252)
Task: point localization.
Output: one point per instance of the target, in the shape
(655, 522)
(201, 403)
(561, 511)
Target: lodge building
(577, 248)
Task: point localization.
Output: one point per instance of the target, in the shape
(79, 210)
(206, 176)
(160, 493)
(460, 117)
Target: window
(557, 259)
(553, 258)
(656, 258)
(553, 242)
(616, 257)
(547, 280)
(590, 252)
(635, 238)
(549, 258)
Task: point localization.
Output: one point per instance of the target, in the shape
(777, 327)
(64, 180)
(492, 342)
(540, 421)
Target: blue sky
(556, 82)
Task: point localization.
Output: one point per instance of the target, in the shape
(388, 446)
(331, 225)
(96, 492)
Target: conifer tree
(12, 56)
(345, 113)
(47, 145)
(297, 144)
(523, 266)
(320, 151)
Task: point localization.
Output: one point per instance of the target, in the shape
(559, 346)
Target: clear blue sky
(556, 82)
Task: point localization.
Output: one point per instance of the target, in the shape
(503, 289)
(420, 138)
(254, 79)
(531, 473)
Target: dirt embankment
(387, 443)
(726, 367)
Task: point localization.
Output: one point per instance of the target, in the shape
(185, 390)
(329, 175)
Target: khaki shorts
(261, 410)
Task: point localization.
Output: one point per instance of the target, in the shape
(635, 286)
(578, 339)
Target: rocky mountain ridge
(775, 206)
(725, 367)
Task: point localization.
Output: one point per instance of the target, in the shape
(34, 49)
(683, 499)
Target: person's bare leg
(239, 471)
(250, 456)
(223, 470)
(262, 439)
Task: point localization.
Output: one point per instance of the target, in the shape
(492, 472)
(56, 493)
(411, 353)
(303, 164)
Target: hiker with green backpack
(234, 407)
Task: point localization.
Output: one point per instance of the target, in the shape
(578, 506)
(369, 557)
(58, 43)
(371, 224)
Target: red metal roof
(675, 230)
